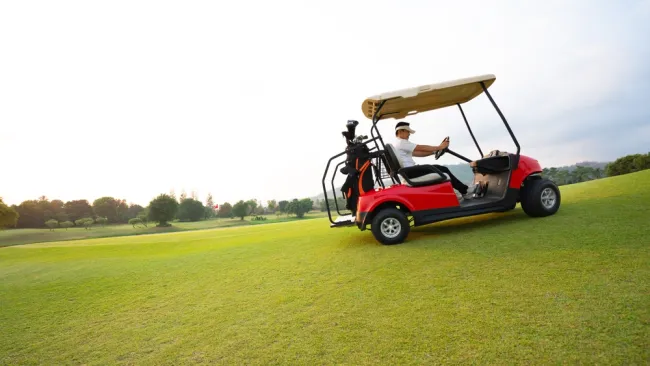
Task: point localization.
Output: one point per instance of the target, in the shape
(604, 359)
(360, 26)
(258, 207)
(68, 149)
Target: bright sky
(247, 99)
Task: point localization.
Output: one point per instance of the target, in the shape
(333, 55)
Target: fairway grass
(495, 289)
(28, 236)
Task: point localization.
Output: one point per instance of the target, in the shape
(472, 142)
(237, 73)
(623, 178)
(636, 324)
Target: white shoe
(459, 196)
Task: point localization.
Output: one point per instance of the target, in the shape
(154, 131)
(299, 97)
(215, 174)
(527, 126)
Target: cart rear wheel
(540, 197)
(390, 226)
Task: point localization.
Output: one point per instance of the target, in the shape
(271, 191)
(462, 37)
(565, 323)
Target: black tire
(534, 200)
(392, 217)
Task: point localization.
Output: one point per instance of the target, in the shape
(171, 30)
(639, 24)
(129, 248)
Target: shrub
(52, 224)
(143, 218)
(628, 164)
(135, 221)
(66, 224)
(85, 222)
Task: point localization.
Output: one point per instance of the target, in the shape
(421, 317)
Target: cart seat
(414, 176)
(433, 177)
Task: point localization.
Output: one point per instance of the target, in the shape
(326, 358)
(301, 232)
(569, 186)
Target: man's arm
(426, 150)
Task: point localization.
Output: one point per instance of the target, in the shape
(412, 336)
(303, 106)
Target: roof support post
(502, 117)
(470, 130)
(373, 128)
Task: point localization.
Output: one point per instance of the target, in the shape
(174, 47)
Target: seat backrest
(393, 160)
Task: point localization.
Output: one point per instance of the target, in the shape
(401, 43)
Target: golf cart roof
(402, 103)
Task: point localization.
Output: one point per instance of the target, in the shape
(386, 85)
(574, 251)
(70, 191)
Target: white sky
(247, 99)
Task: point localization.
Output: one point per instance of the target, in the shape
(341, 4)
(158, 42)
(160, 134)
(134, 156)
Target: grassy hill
(28, 236)
(497, 289)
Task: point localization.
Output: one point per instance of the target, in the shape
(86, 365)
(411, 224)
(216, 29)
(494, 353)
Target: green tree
(51, 223)
(61, 217)
(143, 216)
(598, 173)
(252, 205)
(562, 177)
(30, 214)
(114, 210)
(134, 211)
(581, 174)
(66, 224)
(8, 216)
(240, 209)
(190, 210)
(628, 164)
(86, 222)
(271, 205)
(642, 162)
(102, 221)
(45, 208)
(78, 209)
(300, 207)
(282, 206)
(225, 210)
(260, 210)
(209, 207)
(162, 209)
(52, 209)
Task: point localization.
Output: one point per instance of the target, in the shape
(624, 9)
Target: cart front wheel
(540, 197)
(390, 226)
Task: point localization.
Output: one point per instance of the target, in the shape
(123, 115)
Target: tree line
(584, 172)
(165, 208)
(162, 210)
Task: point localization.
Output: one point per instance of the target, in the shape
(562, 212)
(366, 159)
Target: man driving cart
(407, 149)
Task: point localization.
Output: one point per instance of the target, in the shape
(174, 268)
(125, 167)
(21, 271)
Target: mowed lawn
(499, 289)
(28, 236)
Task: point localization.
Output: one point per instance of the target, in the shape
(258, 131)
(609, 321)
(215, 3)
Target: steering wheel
(442, 152)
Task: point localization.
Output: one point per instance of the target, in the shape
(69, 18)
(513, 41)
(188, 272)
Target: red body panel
(435, 196)
(526, 167)
(414, 198)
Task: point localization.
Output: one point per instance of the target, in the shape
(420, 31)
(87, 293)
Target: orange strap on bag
(363, 170)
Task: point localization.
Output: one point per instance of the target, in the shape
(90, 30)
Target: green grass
(27, 236)
(498, 289)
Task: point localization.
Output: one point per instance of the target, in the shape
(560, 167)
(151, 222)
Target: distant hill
(590, 164)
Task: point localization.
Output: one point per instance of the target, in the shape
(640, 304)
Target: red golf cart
(380, 192)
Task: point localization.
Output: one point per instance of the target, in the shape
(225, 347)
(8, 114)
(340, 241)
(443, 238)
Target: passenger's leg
(457, 184)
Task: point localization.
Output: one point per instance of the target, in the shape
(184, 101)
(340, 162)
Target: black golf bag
(358, 169)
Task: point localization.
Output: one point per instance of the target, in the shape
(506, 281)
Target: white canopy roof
(424, 98)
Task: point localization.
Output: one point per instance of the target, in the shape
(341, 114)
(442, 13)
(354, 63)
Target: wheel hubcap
(548, 198)
(391, 227)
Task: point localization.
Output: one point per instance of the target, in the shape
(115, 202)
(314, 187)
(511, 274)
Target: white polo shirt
(405, 150)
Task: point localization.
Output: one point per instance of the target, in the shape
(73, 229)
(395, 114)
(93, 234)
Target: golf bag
(359, 174)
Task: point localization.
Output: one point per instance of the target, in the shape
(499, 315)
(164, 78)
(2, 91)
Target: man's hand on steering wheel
(444, 145)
